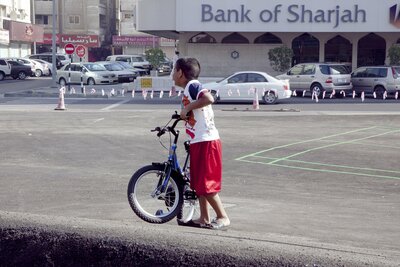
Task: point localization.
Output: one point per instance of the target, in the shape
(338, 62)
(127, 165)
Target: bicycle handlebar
(166, 128)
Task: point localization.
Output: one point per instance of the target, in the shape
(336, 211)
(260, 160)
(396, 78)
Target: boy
(205, 144)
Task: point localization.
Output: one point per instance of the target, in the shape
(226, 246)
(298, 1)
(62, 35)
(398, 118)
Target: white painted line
(98, 120)
(116, 104)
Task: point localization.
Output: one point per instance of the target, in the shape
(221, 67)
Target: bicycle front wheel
(148, 200)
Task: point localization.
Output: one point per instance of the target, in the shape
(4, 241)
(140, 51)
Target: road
(324, 175)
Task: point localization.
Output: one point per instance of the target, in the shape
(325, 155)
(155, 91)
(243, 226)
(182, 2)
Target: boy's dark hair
(190, 67)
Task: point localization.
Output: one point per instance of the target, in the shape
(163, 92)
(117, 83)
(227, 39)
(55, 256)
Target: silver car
(376, 79)
(123, 75)
(91, 73)
(319, 77)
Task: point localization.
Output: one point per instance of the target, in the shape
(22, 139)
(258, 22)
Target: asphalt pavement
(305, 184)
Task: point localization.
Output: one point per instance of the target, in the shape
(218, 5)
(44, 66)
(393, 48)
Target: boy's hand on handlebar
(184, 114)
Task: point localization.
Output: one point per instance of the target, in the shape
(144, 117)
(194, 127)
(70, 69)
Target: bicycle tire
(190, 207)
(158, 209)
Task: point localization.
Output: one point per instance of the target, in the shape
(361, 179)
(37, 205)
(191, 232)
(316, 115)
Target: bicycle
(159, 192)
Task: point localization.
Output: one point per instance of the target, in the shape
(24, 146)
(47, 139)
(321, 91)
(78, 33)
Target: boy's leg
(204, 211)
(216, 204)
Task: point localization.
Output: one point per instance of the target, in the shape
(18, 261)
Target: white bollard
(256, 105)
(362, 96)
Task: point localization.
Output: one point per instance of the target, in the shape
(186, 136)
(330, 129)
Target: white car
(40, 68)
(47, 66)
(243, 86)
(91, 74)
(5, 69)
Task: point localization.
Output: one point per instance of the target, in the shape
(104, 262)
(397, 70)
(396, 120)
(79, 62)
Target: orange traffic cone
(61, 104)
(256, 105)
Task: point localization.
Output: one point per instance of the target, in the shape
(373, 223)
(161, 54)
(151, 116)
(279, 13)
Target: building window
(42, 19)
(203, 38)
(235, 38)
(268, 38)
(74, 19)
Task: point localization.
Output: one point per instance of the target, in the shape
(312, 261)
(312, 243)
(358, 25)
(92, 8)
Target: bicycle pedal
(190, 194)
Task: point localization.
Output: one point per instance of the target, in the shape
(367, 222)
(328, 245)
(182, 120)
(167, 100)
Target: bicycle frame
(172, 164)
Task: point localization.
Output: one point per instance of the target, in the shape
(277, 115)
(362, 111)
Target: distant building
(228, 36)
(129, 40)
(90, 23)
(17, 33)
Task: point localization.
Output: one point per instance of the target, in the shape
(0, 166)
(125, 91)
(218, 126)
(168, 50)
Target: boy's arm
(204, 100)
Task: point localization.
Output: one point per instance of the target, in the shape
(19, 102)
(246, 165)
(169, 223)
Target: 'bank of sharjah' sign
(312, 15)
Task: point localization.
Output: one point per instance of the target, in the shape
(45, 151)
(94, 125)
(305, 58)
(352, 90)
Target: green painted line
(306, 141)
(325, 170)
(331, 145)
(328, 165)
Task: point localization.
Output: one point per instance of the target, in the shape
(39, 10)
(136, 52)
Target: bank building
(229, 36)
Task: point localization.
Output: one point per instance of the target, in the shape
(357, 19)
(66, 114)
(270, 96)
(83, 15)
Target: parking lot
(293, 173)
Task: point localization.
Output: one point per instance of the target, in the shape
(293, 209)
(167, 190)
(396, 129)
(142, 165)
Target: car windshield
(125, 65)
(113, 67)
(94, 67)
(397, 69)
(334, 69)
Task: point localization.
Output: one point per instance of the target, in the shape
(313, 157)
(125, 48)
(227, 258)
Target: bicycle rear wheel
(145, 197)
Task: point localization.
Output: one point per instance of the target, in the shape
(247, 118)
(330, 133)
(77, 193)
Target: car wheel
(1, 76)
(270, 97)
(215, 96)
(317, 89)
(38, 73)
(91, 81)
(62, 82)
(22, 75)
(379, 91)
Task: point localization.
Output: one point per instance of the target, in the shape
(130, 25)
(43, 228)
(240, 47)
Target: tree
(394, 55)
(280, 58)
(155, 56)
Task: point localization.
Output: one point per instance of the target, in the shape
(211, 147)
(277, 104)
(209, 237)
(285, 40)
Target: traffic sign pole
(80, 52)
(69, 49)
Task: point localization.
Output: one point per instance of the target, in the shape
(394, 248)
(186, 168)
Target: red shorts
(206, 167)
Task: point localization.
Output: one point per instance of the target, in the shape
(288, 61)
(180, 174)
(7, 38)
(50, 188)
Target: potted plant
(280, 58)
(394, 55)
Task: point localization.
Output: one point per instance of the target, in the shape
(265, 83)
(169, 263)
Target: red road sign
(80, 51)
(69, 49)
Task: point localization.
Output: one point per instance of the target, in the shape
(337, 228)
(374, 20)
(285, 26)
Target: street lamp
(53, 47)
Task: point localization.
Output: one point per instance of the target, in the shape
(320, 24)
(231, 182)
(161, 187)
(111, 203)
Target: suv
(319, 77)
(61, 59)
(376, 79)
(136, 61)
(5, 69)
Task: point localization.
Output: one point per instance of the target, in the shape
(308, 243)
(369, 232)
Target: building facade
(17, 32)
(131, 41)
(228, 36)
(81, 22)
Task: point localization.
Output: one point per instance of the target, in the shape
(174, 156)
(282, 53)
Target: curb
(34, 240)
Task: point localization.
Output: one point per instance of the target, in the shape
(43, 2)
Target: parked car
(378, 79)
(126, 65)
(26, 62)
(123, 75)
(165, 66)
(61, 59)
(5, 69)
(137, 61)
(241, 86)
(40, 68)
(19, 70)
(46, 66)
(92, 73)
(319, 77)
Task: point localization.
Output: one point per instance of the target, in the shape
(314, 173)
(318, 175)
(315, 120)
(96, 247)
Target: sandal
(191, 223)
(217, 225)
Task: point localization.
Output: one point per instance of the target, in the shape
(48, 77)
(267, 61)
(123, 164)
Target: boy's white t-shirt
(200, 125)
